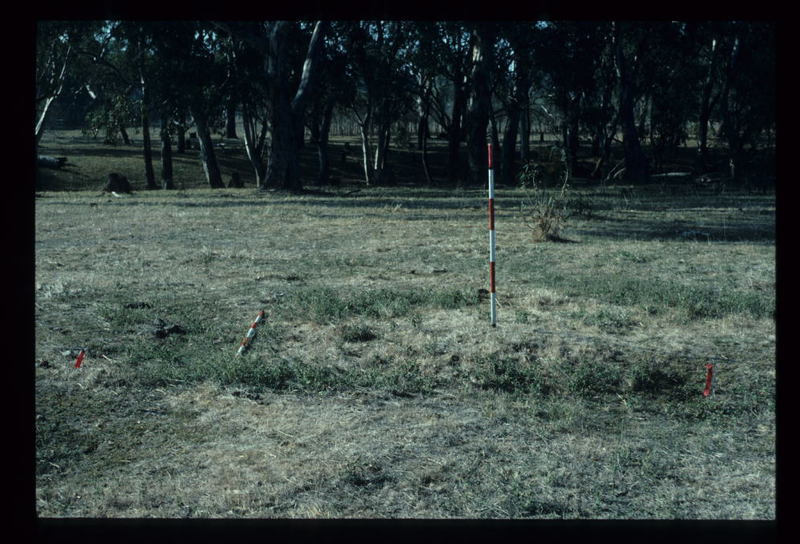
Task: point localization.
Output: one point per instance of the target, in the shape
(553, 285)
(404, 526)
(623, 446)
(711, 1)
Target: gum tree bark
(150, 176)
(207, 155)
(635, 161)
(479, 102)
(283, 171)
(166, 155)
(322, 142)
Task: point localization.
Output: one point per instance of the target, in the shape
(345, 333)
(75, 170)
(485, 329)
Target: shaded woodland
(647, 88)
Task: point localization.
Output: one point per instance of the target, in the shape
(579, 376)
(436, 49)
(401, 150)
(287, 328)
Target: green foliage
(325, 304)
(112, 115)
(358, 332)
(589, 377)
(612, 320)
(658, 377)
(697, 301)
(510, 374)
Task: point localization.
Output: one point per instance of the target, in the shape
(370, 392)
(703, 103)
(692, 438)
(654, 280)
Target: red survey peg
(709, 379)
(79, 360)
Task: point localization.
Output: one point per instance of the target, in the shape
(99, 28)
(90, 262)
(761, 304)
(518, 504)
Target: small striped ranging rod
(250, 333)
(492, 240)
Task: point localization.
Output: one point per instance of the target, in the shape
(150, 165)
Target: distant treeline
(650, 86)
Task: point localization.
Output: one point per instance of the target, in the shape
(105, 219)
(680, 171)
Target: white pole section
(250, 333)
(492, 240)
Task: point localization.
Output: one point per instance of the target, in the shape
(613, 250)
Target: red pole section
(250, 333)
(492, 241)
(79, 360)
(709, 380)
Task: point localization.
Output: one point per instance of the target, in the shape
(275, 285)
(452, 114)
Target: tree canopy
(651, 86)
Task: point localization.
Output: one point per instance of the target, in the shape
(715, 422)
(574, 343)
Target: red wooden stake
(709, 379)
(79, 360)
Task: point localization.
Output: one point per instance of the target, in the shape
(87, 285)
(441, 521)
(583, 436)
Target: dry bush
(545, 209)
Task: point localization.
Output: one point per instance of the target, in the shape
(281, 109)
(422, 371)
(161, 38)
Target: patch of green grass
(658, 377)
(590, 377)
(696, 301)
(329, 305)
(612, 320)
(358, 332)
(510, 374)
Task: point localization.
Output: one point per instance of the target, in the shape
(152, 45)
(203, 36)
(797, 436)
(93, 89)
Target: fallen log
(46, 161)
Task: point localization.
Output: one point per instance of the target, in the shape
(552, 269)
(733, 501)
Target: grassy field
(376, 388)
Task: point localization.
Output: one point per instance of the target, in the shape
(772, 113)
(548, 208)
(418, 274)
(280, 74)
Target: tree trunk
(366, 148)
(322, 143)
(509, 149)
(605, 149)
(283, 171)
(150, 177)
(425, 168)
(382, 146)
(705, 108)
(125, 138)
(230, 119)
(56, 86)
(254, 146)
(479, 105)
(39, 130)
(423, 132)
(635, 161)
(207, 155)
(166, 155)
(525, 132)
(316, 121)
(572, 137)
(455, 129)
(181, 145)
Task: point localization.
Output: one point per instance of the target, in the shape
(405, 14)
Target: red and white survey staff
(250, 333)
(492, 240)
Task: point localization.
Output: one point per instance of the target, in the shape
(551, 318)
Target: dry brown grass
(376, 388)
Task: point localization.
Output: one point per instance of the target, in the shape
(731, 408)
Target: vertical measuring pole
(492, 240)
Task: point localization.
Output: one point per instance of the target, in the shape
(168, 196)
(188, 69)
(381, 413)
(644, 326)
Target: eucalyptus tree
(289, 101)
(422, 56)
(121, 57)
(673, 74)
(450, 46)
(569, 52)
(709, 56)
(169, 87)
(630, 41)
(378, 65)
(104, 75)
(601, 114)
(483, 37)
(247, 50)
(747, 102)
(54, 53)
(513, 90)
(335, 89)
(139, 59)
(288, 86)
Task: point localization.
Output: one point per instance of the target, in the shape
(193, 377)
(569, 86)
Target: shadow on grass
(684, 232)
